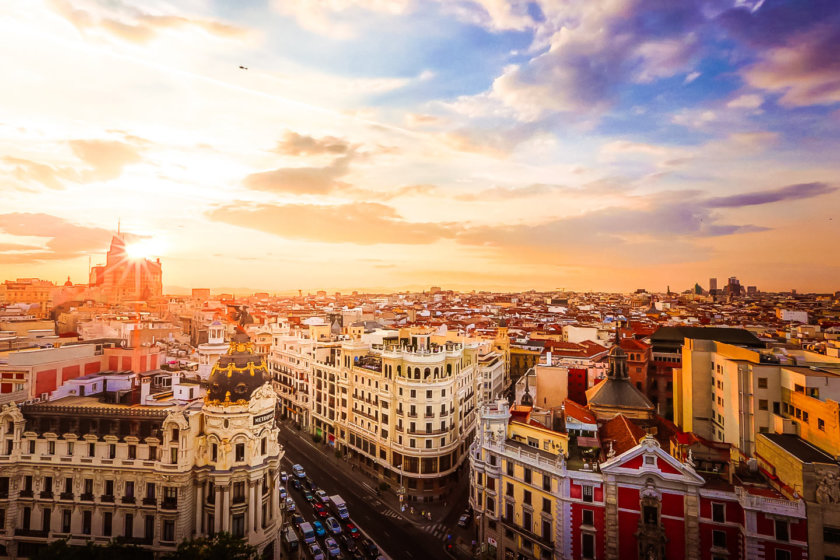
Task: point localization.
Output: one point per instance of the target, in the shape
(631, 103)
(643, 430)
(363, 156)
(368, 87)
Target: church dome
(238, 373)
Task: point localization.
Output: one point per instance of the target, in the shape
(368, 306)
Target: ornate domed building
(237, 374)
(616, 394)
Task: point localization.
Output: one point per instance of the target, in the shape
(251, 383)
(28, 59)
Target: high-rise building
(713, 285)
(125, 279)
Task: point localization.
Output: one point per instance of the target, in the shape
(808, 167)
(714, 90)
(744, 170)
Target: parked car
(282, 492)
(464, 520)
(370, 549)
(319, 529)
(353, 531)
(315, 550)
(333, 525)
(284, 477)
(332, 547)
(308, 495)
(298, 470)
(296, 484)
(290, 505)
(322, 496)
(297, 520)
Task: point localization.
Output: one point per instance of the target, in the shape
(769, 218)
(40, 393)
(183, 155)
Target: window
(546, 529)
(214, 452)
(238, 528)
(150, 490)
(588, 517)
(31, 446)
(152, 453)
(546, 506)
(527, 476)
(129, 489)
(718, 513)
(831, 534)
(526, 497)
(109, 487)
(175, 435)
(782, 555)
(65, 521)
(240, 451)
(413, 394)
(762, 404)
(491, 504)
(173, 455)
(527, 523)
(509, 489)
(821, 424)
(588, 546)
(587, 494)
(762, 382)
(132, 451)
(170, 495)
(149, 527)
(546, 483)
(51, 447)
(428, 444)
(88, 486)
(46, 519)
(650, 460)
(428, 394)
(27, 517)
(718, 539)
(107, 523)
(510, 468)
(263, 446)
(129, 525)
(68, 485)
(112, 451)
(238, 492)
(169, 528)
(86, 522)
(782, 533)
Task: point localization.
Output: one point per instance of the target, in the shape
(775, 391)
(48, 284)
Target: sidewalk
(438, 510)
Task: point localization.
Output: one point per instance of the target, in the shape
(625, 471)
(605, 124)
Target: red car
(353, 531)
(320, 510)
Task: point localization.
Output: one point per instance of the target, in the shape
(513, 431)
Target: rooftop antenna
(118, 227)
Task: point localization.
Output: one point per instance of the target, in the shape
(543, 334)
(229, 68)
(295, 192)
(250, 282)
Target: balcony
(66, 496)
(539, 539)
(86, 497)
(31, 533)
(129, 500)
(107, 498)
(46, 494)
(149, 502)
(169, 503)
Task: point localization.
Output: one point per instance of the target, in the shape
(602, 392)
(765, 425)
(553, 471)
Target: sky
(398, 144)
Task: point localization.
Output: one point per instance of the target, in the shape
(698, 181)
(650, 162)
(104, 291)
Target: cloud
(131, 24)
(65, 240)
(295, 144)
(595, 48)
(510, 193)
(362, 223)
(691, 77)
(799, 191)
(746, 101)
(300, 180)
(105, 159)
(337, 19)
(414, 120)
(806, 71)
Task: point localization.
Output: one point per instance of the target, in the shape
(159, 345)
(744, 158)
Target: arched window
(399, 370)
(448, 369)
(427, 373)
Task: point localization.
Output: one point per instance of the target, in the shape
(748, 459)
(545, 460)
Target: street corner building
(612, 480)
(154, 468)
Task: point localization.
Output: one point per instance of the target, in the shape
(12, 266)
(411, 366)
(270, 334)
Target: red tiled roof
(624, 434)
(578, 412)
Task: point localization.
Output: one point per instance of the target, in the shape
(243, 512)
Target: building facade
(89, 468)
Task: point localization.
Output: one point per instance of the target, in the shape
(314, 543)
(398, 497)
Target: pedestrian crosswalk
(438, 530)
(387, 512)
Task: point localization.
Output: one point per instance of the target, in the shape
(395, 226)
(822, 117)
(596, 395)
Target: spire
(527, 399)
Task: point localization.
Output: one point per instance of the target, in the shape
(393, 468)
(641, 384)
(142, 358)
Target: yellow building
(29, 291)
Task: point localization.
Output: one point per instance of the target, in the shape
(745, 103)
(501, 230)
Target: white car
(283, 494)
(332, 547)
(290, 505)
(315, 550)
(323, 497)
(299, 472)
(284, 476)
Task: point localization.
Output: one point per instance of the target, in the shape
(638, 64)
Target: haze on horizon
(471, 144)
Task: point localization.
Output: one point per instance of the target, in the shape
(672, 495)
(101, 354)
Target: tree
(60, 550)
(221, 546)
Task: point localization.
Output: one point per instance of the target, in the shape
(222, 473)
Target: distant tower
(712, 285)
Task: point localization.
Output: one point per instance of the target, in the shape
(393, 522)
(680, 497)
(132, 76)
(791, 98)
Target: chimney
(548, 358)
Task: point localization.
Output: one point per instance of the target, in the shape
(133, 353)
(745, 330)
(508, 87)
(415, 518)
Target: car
(321, 511)
(322, 496)
(332, 547)
(284, 476)
(316, 552)
(319, 529)
(464, 520)
(296, 484)
(318, 508)
(370, 549)
(333, 525)
(347, 542)
(298, 470)
(310, 485)
(283, 494)
(290, 505)
(353, 531)
(308, 495)
(297, 520)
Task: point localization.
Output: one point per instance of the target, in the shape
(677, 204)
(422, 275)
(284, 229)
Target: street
(396, 537)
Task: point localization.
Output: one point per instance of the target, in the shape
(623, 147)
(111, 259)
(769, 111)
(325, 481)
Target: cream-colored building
(88, 468)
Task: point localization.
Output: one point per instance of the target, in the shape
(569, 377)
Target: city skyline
(503, 146)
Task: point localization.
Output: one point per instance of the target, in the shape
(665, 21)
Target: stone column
(611, 514)
(199, 508)
(217, 509)
(226, 510)
(692, 526)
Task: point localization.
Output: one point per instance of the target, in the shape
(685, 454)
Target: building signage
(491, 541)
(262, 418)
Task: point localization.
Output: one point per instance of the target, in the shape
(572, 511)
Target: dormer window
(650, 460)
